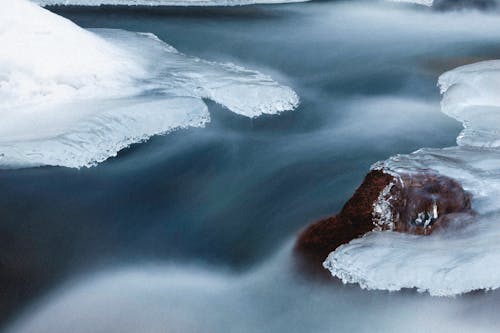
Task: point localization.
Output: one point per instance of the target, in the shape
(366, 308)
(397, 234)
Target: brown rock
(420, 203)
(416, 204)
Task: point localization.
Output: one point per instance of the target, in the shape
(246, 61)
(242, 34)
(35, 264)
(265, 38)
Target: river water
(192, 231)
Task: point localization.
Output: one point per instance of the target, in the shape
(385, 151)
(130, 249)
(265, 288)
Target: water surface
(215, 209)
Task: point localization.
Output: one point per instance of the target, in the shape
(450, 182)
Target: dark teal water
(234, 193)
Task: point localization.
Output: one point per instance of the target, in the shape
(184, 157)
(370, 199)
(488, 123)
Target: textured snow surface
(72, 97)
(160, 2)
(472, 97)
(463, 258)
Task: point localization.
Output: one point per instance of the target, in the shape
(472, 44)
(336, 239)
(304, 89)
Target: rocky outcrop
(416, 204)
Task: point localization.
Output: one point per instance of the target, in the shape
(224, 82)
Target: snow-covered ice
(161, 2)
(457, 260)
(72, 97)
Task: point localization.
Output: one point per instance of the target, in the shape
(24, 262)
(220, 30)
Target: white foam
(456, 260)
(71, 97)
(161, 2)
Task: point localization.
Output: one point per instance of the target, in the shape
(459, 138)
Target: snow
(72, 97)
(471, 97)
(161, 2)
(46, 57)
(456, 260)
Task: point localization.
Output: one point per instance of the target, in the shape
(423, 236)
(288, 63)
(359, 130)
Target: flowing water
(192, 231)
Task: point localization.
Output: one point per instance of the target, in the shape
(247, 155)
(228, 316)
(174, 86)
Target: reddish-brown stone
(417, 204)
(354, 220)
(422, 194)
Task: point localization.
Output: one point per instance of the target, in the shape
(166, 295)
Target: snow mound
(72, 97)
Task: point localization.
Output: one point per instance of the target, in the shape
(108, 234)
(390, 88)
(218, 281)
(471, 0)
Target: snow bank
(71, 97)
(46, 57)
(453, 261)
(161, 2)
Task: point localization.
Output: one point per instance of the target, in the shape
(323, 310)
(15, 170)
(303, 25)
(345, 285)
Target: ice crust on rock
(72, 97)
(456, 260)
(382, 213)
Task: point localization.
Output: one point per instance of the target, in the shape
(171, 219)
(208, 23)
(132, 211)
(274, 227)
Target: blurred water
(270, 298)
(233, 194)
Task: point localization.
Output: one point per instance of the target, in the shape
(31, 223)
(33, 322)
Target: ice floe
(72, 97)
(457, 260)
